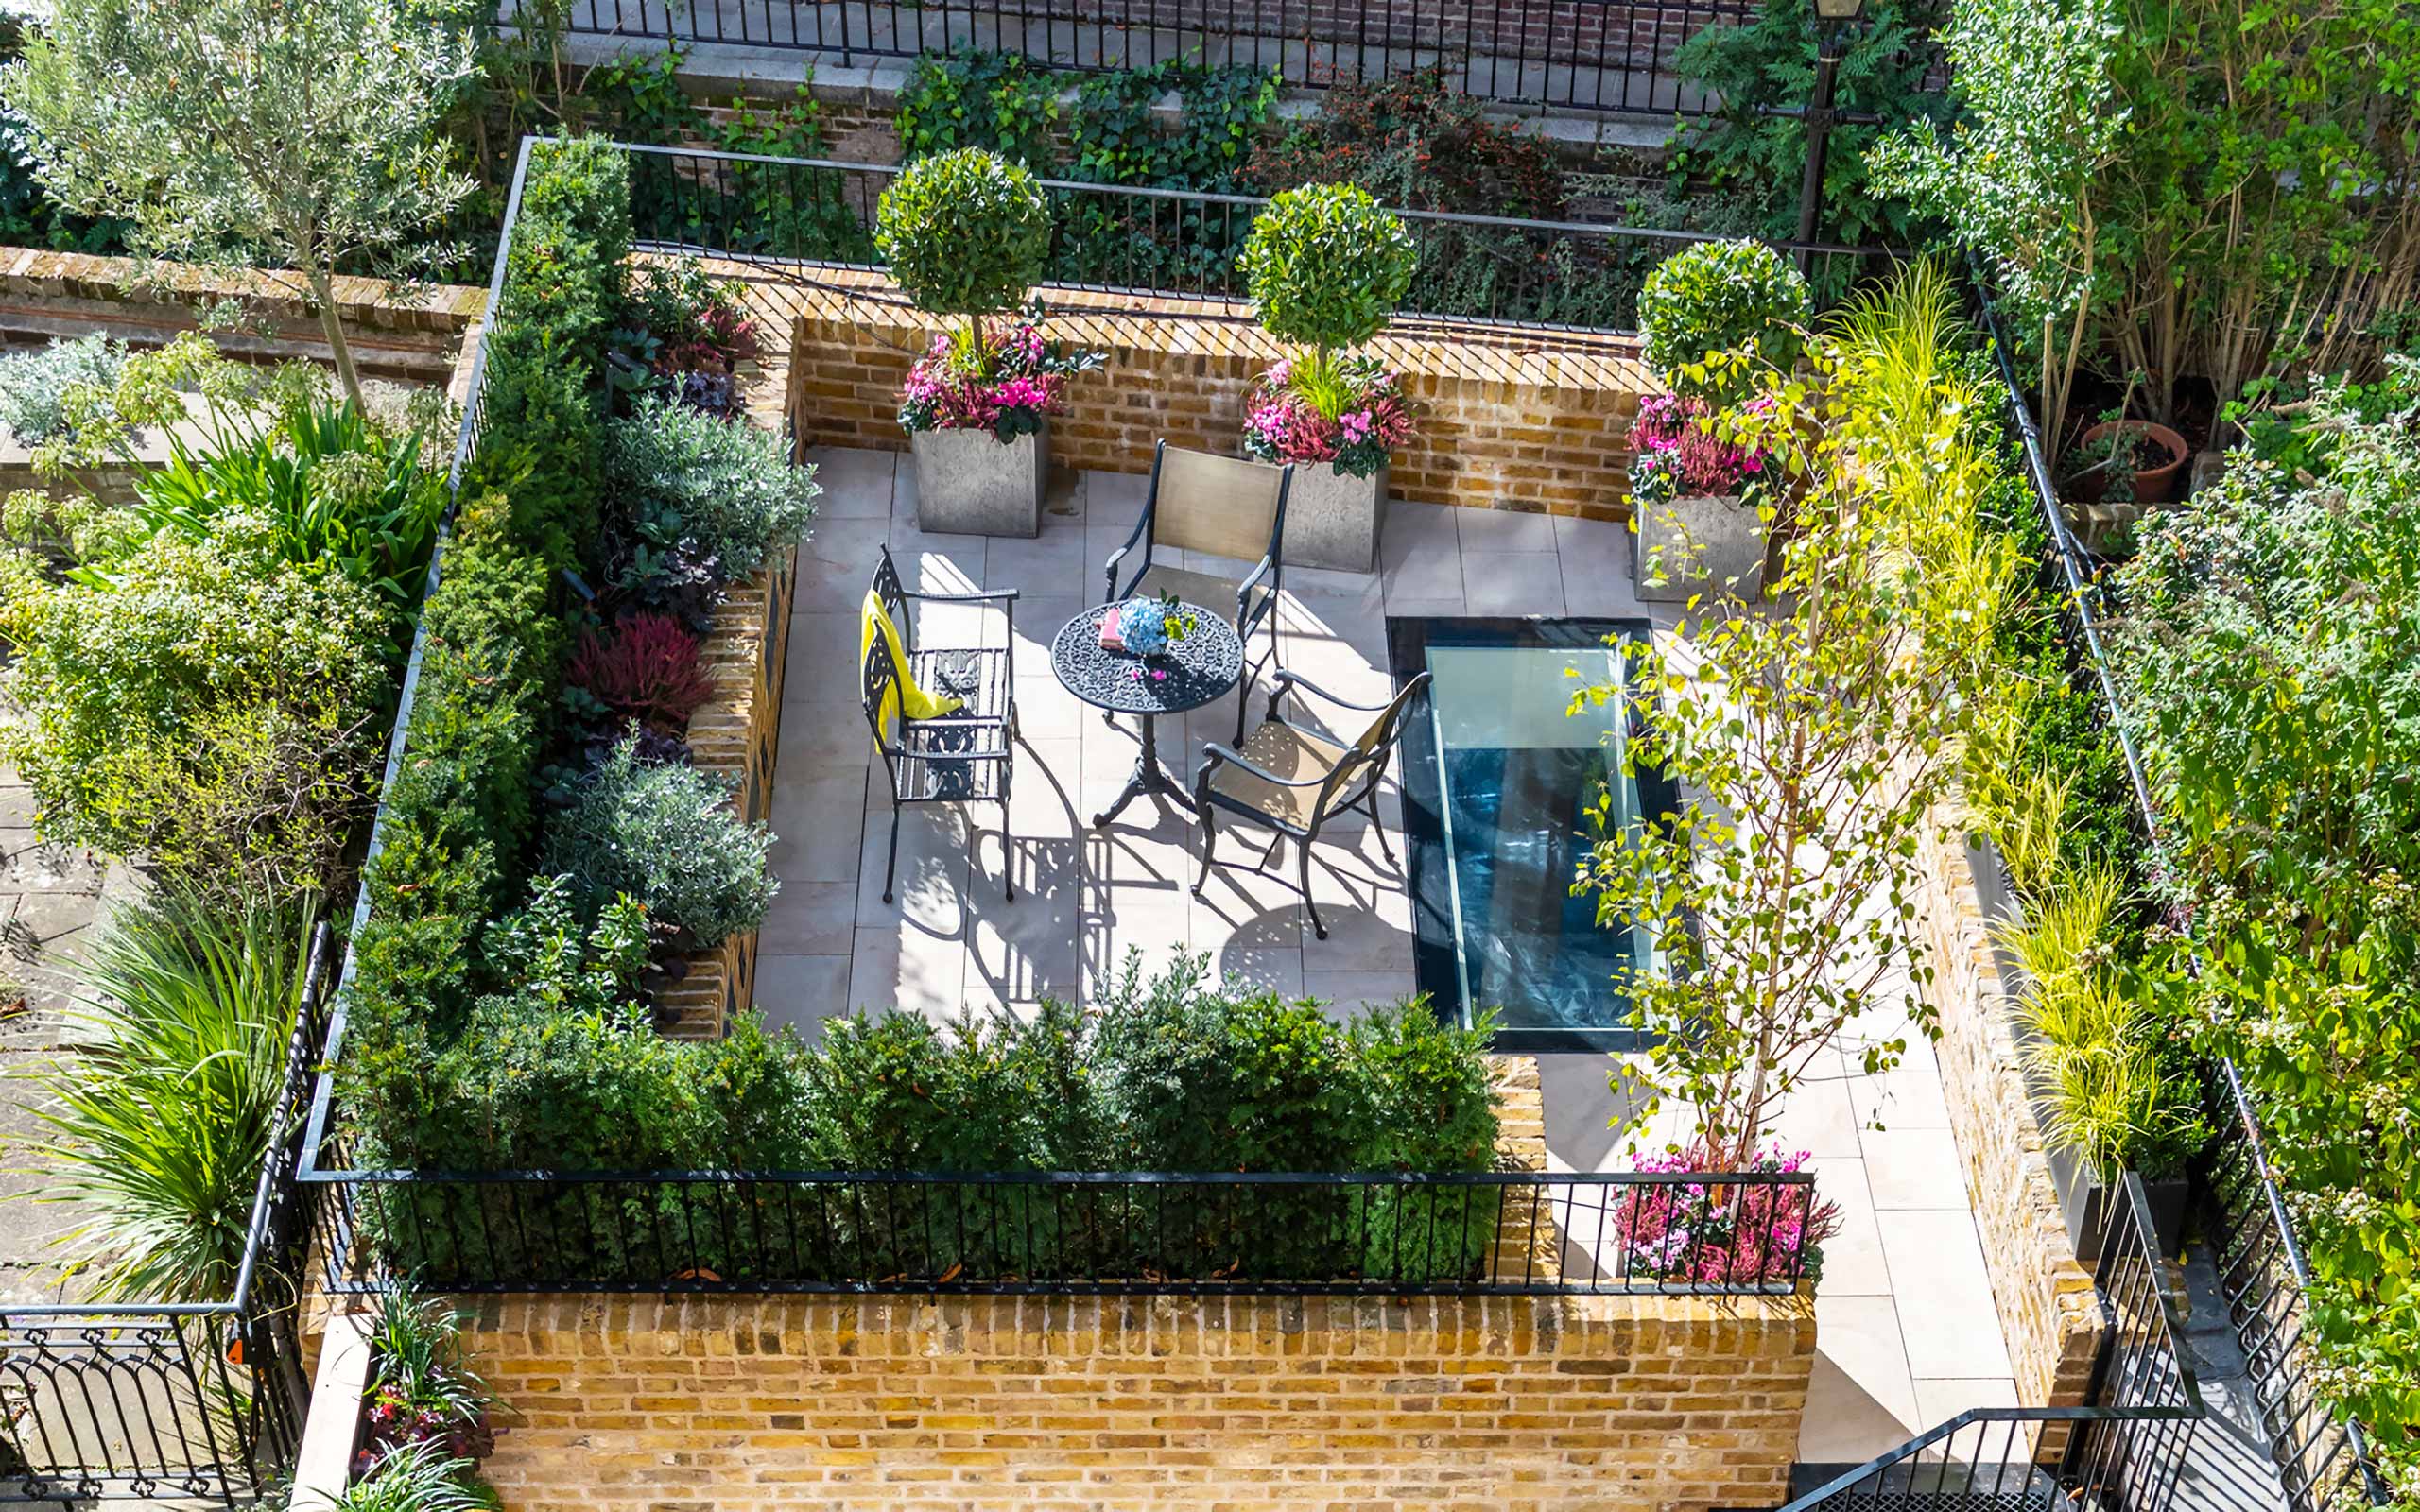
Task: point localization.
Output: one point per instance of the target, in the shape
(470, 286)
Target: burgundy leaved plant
(645, 667)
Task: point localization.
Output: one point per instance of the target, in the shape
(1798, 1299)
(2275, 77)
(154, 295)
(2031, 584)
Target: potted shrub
(2123, 461)
(964, 233)
(1700, 502)
(1709, 317)
(1326, 264)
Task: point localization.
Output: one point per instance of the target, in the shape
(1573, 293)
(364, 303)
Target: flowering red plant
(1679, 452)
(1721, 1232)
(1285, 423)
(1006, 388)
(645, 667)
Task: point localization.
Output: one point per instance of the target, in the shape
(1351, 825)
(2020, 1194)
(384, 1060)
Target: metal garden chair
(1222, 506)
(963, 757)
(1295, 780)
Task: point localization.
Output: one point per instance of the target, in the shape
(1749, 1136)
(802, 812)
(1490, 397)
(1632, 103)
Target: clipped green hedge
(460, 813)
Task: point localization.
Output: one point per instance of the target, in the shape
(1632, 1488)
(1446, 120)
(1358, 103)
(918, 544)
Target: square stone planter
(970, 483)
(1334, 520)
(1702, 543)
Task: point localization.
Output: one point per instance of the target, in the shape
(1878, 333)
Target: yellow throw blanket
(920, 704)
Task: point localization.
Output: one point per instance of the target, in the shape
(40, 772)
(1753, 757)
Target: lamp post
(1832, 18)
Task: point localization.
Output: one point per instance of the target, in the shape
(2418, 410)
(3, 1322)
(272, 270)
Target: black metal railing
(1111, 242)
(2321, 1456)
(175, 1401)
(1066, 1232)
(2322, 1460)
(1612, 57)
(2124, 1449)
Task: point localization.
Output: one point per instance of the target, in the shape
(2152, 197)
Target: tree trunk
(323, 294)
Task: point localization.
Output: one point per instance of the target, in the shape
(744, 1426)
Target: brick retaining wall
(395, 332)
(1531, 420)
(2049, 1313)
(641, 1404)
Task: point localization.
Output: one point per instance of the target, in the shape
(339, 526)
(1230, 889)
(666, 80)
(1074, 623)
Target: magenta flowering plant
(1007, 385)
(1713, 1231)
(1355, 416)
(1681, 451)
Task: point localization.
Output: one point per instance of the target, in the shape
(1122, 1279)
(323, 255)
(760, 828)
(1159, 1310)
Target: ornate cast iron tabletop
(1190, 673)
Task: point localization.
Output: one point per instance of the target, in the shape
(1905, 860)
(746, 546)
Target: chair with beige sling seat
(1295, 780)
(1222, 506)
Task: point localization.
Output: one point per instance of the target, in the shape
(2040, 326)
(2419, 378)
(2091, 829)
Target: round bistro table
(1190, 673)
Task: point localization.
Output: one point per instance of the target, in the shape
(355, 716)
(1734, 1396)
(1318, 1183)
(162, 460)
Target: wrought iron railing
(1519, 1232)
(1584, 54)
(175, 1401)
(2124, 1449)
(1121, 250)
(2321, 1458)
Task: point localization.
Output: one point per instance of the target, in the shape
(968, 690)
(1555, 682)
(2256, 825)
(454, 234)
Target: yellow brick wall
(736, 732)
(647, 1405)
(2050, 1313)
(1530, 421)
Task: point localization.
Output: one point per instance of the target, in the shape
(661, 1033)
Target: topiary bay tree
(965, 234)
(295, 137)
(1325, 266)
(1707, 304)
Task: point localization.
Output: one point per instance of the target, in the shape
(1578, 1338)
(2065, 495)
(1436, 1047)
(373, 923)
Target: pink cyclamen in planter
(979, 426)
(1716, 1232)
(1694, 502)
(1335, 511)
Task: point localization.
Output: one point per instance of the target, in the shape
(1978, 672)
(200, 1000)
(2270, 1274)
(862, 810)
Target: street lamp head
(1840, 9)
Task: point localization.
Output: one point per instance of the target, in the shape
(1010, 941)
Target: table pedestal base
(1149, 776)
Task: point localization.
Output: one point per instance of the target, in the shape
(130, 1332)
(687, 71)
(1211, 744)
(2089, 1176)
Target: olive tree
(1326, 264)
(964, 233)
(298, 136)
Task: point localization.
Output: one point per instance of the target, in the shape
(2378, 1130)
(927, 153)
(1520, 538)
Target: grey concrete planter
(1699, 543)
(1334, 520)
(970, 483)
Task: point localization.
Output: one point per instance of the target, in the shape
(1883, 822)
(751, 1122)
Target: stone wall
(2049, 1313)
(1614, 1404)
(1531, 420)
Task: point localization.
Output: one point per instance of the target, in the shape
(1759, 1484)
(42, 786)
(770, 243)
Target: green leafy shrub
(714, 491)
(33, 383)
(2268, 649)
(666, 837)
(1117, 137)
(330, 486)
(1326, 264)
(162, 1116)
(900, 1092)
(966, 97)
(1752, 156)
(964, 233)
(542, 396)
(1720, 297)
(208, 704)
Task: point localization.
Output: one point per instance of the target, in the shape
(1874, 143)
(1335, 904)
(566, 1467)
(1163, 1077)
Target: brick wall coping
(736, 1325)
(1466, 352)
(377, 304)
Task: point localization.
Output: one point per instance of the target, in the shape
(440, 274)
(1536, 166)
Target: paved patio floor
(1908, 1333)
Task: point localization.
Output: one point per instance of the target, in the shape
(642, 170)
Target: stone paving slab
(1906, 1307)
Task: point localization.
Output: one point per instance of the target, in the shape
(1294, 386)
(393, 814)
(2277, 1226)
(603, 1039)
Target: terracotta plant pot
(2153, 485)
